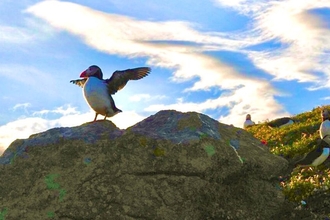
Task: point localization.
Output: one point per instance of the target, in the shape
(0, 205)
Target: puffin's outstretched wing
(119, 78)
(79, 82)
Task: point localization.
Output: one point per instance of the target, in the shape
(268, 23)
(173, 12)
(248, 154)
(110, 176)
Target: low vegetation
(295, 140)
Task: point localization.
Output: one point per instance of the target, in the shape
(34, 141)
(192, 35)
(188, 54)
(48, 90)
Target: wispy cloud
(325, 98)
(62, 110)
(32, 32)
(21, 105)
(243, 6)
(6, 98)
(145, 97)
(303, 38)
(15, 35)
(132, 36)
(30, 76)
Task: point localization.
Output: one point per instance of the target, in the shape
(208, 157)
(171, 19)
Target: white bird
(248, 122)
(97, 91)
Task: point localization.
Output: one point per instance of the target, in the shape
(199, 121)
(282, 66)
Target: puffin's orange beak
(83, 74)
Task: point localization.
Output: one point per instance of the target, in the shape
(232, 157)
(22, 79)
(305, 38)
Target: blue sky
(223, 58)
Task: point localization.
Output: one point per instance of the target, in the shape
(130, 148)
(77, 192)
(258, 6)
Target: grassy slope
(293, 140)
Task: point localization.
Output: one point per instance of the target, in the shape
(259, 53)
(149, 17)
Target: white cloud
(21, 105)
(33, 32)
(63, 110)
(287, 65)
(305, 36)
(261, 104)
(131, 36)
(21, 128)
(145, 97)
(243, 6)
(15, 35)
(256, 99)
(126, 119)
(41, 112)
(139, 97)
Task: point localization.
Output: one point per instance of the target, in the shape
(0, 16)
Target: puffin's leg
(106, 113)
(95, 116)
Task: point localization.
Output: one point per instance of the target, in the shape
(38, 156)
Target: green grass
(3, 213)
(294, 140)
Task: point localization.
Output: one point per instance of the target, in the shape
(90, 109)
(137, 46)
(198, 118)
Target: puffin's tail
(117, 110)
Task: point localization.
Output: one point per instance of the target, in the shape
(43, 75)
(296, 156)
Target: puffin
(320, 154)
(248, 122)
(97, 91)
(281, 122)
(317, 156)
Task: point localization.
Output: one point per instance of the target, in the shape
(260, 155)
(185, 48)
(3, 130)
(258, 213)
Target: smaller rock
(234, 144)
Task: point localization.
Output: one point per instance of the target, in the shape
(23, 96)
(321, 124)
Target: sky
(222, 58)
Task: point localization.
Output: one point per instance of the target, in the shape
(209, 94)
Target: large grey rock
(171, 165)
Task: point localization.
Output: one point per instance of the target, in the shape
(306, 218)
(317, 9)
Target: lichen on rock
(160, 168)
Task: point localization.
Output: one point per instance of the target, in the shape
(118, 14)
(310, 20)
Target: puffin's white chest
(248, 123)
(290, 122)
(325, 128)
(96, 94)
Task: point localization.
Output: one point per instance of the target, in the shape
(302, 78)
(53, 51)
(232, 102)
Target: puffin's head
(325, 114)
(92, 71)
(248, 117)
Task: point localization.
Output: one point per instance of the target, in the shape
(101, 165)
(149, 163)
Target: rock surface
(171, 165)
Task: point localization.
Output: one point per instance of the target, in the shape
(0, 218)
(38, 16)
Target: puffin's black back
(278, 122)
